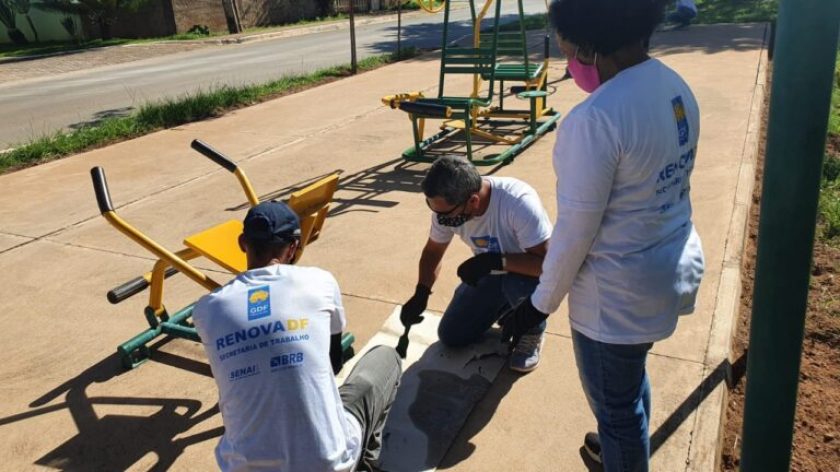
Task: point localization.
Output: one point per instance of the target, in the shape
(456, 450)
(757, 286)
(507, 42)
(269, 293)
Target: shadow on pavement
(364, 188)
(726, 372)
(101, 116)
(117, 441)
(709, 39)
(461, 449)
(430, 35)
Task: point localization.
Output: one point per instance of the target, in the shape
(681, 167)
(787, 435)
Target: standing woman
(623, 247)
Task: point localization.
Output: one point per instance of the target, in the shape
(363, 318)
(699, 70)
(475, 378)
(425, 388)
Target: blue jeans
(473, 310)
(616, 385)
(682, 15)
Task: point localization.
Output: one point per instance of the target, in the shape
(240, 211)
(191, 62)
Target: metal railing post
(805, 52)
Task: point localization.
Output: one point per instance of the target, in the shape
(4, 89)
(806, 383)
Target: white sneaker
(526, 355)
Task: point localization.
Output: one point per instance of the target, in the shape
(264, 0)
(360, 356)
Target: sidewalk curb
(711, 412)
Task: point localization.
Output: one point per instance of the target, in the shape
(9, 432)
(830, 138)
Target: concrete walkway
(68, 405)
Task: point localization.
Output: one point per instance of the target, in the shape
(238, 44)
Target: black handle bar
(213, 155)
(431, 110)
(133, 287)
(100, 187)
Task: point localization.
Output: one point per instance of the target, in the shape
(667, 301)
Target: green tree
(101, 12)
(22, 7)
(7, 18)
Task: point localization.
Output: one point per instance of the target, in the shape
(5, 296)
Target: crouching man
(273, 340)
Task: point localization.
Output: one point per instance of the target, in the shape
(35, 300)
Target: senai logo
(259, 303)
(244, 372)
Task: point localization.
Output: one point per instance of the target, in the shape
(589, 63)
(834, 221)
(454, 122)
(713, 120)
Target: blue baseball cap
(271, 222)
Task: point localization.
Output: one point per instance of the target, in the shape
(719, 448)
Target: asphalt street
(43, 105)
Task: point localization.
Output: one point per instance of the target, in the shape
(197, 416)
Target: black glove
(476, 267)
(415, 306)
(520, 321)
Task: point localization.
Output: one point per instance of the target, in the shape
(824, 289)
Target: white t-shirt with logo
(267, 337)
(514, 221)
(623, 245)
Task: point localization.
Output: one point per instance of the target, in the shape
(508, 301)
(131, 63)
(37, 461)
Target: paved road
(46, 104)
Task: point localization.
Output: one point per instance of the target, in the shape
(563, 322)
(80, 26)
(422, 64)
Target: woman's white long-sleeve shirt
(623, 247)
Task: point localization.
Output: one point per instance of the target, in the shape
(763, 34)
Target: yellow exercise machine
(218, 244)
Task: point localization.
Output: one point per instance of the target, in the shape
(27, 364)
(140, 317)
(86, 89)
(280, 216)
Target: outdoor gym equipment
(218, 244)
(495, 56)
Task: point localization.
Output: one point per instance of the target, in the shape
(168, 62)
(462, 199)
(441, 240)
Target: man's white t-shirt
(624, 246)
(267, 337)
(514, 221)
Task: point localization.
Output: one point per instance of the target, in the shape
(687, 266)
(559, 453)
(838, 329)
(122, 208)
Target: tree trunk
(32, 27)
(104, 29)
(17, 37)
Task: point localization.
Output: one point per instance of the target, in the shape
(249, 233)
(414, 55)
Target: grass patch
(708, 12)
(408, 5)
(828, 220)
(173, 112)
(50, 47)
(320, 19)
(834, 116)
(735, 11)
(532, 22)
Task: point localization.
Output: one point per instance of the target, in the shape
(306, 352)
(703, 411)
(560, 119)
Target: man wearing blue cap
(267, 334)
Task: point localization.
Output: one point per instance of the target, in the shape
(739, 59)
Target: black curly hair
(605, 26)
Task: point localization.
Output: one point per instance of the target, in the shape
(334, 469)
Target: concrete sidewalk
(70, 406)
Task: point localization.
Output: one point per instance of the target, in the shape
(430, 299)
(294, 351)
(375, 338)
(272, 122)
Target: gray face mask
(452, 221)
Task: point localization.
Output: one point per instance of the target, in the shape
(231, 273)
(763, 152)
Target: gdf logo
(259, 302)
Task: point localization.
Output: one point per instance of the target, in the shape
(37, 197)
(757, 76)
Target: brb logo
(293, 359)
(259, 303)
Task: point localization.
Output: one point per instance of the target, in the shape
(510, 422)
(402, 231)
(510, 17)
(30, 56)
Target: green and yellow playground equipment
(494, 56)
(218, 244)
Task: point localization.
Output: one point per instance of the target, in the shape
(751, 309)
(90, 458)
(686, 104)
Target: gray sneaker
(526, 355)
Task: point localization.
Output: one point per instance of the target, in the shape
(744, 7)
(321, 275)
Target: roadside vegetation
(177, 111)
(829, 209)
(735, 11)
(708, 12)
(52, 47)
(36, 48)
(532, 22)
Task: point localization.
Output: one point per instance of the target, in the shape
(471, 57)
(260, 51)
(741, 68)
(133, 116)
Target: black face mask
(452, 221)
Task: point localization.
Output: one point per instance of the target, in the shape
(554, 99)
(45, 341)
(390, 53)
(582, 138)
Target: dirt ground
(816, 442)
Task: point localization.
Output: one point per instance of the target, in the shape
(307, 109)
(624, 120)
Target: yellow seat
(219, 243)
(312, 203)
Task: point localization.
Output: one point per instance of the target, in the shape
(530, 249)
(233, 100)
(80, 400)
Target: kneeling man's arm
(528, 262)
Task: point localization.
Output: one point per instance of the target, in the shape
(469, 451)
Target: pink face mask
(585, 75)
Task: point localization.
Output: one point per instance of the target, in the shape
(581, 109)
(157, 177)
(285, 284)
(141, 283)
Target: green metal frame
(466, 108)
